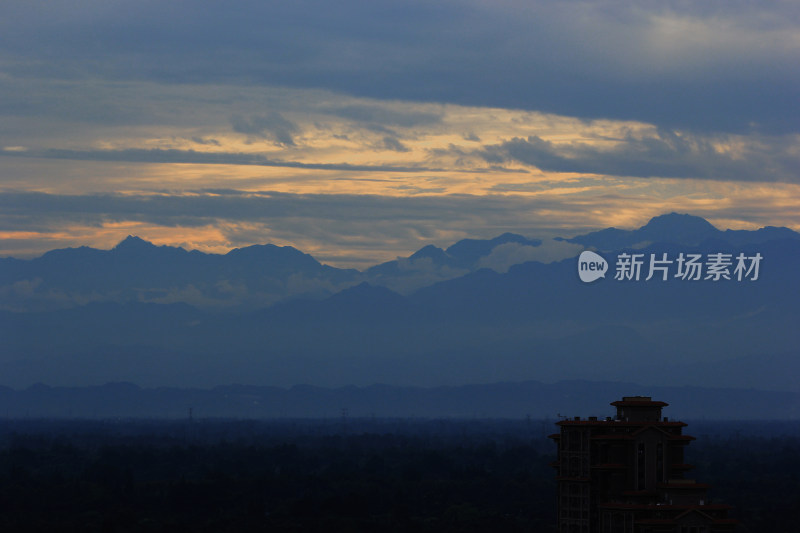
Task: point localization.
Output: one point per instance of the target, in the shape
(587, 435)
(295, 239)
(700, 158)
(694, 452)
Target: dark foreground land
(343, 475)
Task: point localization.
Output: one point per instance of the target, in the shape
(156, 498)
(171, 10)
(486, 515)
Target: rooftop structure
(626, 474)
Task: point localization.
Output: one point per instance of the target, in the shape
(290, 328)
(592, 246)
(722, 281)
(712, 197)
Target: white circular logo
(591, 266)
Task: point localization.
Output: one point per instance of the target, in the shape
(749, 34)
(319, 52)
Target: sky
(361, 131)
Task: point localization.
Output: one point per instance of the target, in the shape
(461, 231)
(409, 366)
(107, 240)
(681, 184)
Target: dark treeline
(758, 475)
(339, 475)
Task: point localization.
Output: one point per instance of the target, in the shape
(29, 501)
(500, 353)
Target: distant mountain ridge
(136, 270)
(507, 400)
(681, 229)
(431, 264)
(535, 320)
(262, 275)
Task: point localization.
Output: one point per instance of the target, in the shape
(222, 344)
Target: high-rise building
(626, 474)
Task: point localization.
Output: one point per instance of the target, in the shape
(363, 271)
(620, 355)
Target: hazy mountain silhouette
(431, 264)
(535, 321)
(262, 275)
(678, 229)
(136, 270)
(508, 400)
(464, 254)
(468, 251)
(255, 276)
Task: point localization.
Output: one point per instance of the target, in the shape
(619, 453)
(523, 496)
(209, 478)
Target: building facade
(626, 474)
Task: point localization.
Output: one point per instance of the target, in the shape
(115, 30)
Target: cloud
(271, 126)
(198, 209)
(203, 140)
(665, 154)
(376, 228)
(391, 143)
(681, 65)
(157, 155)
(417, 273)
(33, 295)
(508, 254)
(384, 115)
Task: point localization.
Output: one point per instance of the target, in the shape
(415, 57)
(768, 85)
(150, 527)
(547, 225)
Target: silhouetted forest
(341, 475)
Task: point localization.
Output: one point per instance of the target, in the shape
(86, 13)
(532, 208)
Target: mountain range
(507, 400)
(269, 315)
(259, 276)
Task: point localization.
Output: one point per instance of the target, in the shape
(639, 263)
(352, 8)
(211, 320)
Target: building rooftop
(632, 401)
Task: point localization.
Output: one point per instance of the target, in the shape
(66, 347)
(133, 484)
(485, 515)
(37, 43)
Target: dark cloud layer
(392, 143)
(665, 154)
(270, 126)
(367, 225)
(372, 114)
(705, 66)
(200, 209)
(157, 155)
